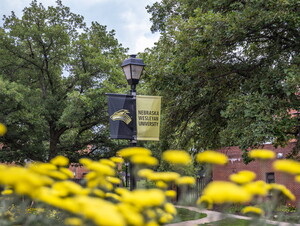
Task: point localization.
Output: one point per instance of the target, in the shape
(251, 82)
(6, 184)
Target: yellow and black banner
(121, 110)
(148, 117)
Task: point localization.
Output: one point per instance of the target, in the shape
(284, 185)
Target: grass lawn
(187, 215)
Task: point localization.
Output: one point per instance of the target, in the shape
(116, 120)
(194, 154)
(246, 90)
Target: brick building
(263, 169)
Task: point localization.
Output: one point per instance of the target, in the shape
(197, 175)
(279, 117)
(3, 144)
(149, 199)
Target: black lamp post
(133, 68)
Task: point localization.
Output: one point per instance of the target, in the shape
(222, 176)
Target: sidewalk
(215, 216)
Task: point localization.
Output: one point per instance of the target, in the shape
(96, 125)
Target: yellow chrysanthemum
(101, 169)
(161, 184)
(131, 215)
(145, 198)
(284, 190)
(3, 129)
(128, 152)
(226, 192)
(73, 221)
(287, 165)
(177, 157)
(257, 188)
(185, 180)
(171, 193)
(114, 180)
(297, 178)
(117, 159)
(242, 177)
(152, 223)
(113, 196)
(121, 191)
(7, 192)
(85, 161)
(212, 157)
(206, 201)
(145, 172)
(261, 154)
(163, 176)
(165, 218)
(68, 172)
(60, 161)
(253, 210)
(108, 162)
(144, 160)
(170, 208)
(98, 193)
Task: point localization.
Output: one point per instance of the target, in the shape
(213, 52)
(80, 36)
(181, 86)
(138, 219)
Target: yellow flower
(60, 161)
(205, 200)
(169, 207)
(117, 159)
(145, 172)
(113, 180)
(171, 193)
(73, 221)
(98, 193)
(165, 218)
(212, 157)
(152, 223)
(257, 188)
(186, 180)
(226, 192)
(57, 175)
(7, 192)
(145, 198)
(253, 210)
(3, 129)
(68, 172)
(177, 157)
(161, 184)
(113, 196)
(101, 169)
(144, 160)
(287, 165)
(85, 161)
(131, 215)
(242, 177)
(284, 190)
(42, 168)
(128, 152)
(163, 176)
(261, 154)
(297, 178)
(122, 191)
(107, 162)
(98, 210)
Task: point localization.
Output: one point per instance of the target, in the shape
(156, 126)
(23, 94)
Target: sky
(128, 18)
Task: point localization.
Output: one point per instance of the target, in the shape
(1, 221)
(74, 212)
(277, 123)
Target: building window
(270, 177)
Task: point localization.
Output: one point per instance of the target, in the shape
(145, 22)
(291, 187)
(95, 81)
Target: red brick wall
(236, 164)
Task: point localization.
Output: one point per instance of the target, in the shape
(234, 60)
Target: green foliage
(54, 73)
(228, 72)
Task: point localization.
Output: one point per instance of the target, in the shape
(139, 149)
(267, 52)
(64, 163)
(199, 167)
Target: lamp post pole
(133, 68)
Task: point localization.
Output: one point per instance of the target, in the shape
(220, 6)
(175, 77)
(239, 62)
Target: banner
(148, 117)
(121, 110)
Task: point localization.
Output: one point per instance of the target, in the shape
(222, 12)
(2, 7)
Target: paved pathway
(215, 216)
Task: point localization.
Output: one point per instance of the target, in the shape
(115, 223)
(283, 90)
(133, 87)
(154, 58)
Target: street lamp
(133, 68)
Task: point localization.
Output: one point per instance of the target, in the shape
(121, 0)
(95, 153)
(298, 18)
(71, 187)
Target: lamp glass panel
(127, 72)
(136, 71)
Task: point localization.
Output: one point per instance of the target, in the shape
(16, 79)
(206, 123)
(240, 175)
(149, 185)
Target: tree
(228, 71)
(54, 73)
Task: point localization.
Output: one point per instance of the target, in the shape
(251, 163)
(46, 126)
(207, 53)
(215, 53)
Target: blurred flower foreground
(44, 194)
